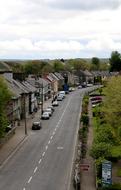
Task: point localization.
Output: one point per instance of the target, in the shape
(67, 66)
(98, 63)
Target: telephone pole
(25, 114)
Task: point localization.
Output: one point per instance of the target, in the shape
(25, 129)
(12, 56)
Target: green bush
(85, 119)
(119, 172)
(104, 134)
(116, 153)
(111, 187)
(85, 104)
(101, 150)
(98, 164)
(83, 133)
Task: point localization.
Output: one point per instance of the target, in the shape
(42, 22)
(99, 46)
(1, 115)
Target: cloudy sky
(37, 29)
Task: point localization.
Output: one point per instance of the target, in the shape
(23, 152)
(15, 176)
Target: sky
(50, 29)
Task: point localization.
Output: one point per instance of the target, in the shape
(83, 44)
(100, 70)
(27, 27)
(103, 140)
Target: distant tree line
(40, 67)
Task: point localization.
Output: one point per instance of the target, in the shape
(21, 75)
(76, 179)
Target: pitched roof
(30, 87)
(87, 73)
(54, 76)
(38, 82)
(59, 76)
(101, 73)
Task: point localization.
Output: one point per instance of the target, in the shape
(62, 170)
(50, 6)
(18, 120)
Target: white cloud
(56, 28)
(84, 5)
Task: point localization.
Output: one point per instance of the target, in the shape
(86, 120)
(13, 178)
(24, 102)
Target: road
(44, 162)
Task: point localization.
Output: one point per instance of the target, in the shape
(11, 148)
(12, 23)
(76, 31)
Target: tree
(37, 67)
(58, 65)
(17, 67)
(5, 96)
(112, 104)
(95, 63)
(115, 61)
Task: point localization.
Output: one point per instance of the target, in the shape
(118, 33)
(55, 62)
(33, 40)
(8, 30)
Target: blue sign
(106, 173)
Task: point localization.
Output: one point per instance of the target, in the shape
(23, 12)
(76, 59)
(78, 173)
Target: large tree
(112, 105)
(5, 96)
(115, 61)
(77, 64)
(58, 65)
(95, 63)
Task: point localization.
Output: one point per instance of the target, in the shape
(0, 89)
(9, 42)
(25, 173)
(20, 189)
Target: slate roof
(59, 76)
(101, 73)
(37, 82)
(87, 73)
(30, 87)
(50, 78)
(54, 76)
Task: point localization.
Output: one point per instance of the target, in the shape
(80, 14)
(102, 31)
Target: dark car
(37, 125)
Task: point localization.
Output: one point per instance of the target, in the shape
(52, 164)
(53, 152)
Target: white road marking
(54, 133)
(43, 154)
(60, 148)
(46, 147)
(51, 137)
(40, 161)
(30, 179)
(35, 169)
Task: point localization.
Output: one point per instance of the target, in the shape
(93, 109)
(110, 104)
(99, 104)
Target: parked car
(55, 103)
(52, 108)
(62, 93)
(89, 84)
(79, 87)
(37, 125)
(45, 115)
(8, 128)
(84, 85)
(71, 89)
(60, 98)
(49, 110)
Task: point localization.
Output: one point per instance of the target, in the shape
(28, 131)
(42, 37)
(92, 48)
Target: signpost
(106, 173)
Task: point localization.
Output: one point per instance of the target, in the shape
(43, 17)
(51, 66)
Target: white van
(62, 93)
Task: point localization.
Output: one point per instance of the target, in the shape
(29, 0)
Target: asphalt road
(44, 161)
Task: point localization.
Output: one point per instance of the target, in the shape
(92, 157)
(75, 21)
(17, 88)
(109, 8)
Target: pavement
(16, 141)
(88, 176)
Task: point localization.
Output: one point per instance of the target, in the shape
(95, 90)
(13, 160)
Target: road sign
(106, 173)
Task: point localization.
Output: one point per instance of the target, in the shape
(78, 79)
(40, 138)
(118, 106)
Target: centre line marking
(40, 161)
(43, 154)
(30, 179)
(48, 142)
(54, 133)
(46, 147)
(35, 169)
(24, 188)
(51, 137)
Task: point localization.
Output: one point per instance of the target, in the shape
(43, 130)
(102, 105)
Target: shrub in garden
(104, 134)
(101, 149)
(112, 187)
(85, 119)
(85, 105)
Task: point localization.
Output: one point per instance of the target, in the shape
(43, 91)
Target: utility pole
(25, 114)
(42, 98)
